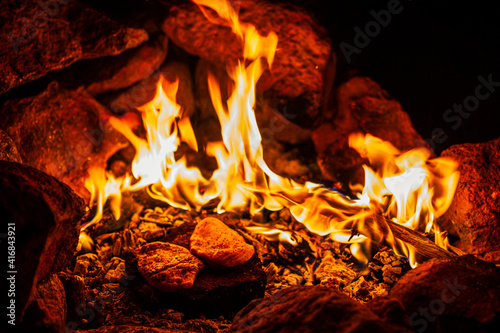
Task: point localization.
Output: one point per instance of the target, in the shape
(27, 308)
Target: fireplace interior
(249, 166)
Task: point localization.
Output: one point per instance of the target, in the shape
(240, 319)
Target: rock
(392, 312)
(112, 73)
(62, 133)
(48, 310)
(39, 37)
(303, 50)
(8, 150)
(215, 292)
(132, 329)
(363, 106)
(144, 91)
(474, 213)
(307, 309)
(46, 215)
(218, 245)
(274, 124)
(460, 294)
(168, 267)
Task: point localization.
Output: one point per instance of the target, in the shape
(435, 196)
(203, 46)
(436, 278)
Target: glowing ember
(408, 188)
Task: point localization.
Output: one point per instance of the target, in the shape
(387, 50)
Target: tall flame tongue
(407, 188)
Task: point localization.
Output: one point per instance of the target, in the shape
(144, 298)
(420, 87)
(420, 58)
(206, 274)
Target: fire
(409, 188)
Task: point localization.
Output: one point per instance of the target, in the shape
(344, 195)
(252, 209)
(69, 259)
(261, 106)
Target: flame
(409, 188)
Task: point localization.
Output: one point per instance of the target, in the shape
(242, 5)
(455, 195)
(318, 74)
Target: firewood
(382, 230)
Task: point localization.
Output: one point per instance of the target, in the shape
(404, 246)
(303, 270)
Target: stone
(39, 37)
(451, 295)
(144, 91)
(216, 291)
(63, 133)
(218, 245)
(474, 213)
(392, 312)
(296, 76)
(112, 73)
(46, 215)
(132, 329)
(168, 267)
(307, 309)
(363, 106)
(48, 310)
(8, 150)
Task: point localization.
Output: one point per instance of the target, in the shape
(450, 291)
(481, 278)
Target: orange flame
(409, 188)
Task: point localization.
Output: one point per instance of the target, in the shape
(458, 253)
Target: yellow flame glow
(409, 188)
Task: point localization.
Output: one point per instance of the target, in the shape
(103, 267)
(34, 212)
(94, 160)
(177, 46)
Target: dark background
(428, 58)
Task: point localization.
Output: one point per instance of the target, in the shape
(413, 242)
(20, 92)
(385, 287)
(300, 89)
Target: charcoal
(87, 265)
(333, 272)
(8, 150)
(307, 309)
(474, 214)
(62, 133)
(392, 312)
(460, 294)
(365, 289)
(363, 106)
(47, 312)
(76, 296)
(46, 214)
(112, 73)
(38, 37)
(297, 71)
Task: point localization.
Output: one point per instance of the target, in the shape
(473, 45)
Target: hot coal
(8, 150)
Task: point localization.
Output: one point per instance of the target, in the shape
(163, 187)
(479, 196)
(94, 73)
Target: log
(382, 230)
